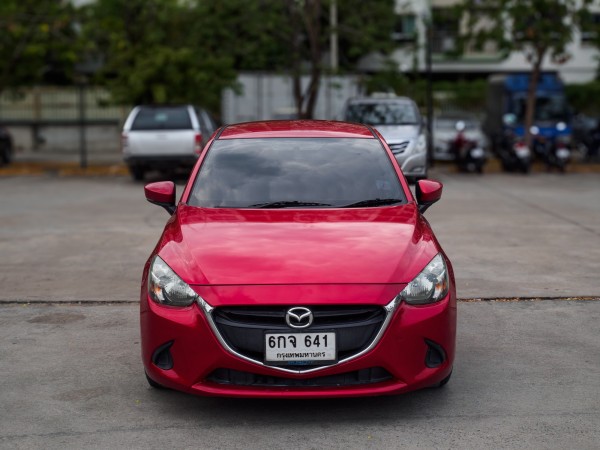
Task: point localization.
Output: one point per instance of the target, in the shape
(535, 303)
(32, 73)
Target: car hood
(292, 246)
(393, 133)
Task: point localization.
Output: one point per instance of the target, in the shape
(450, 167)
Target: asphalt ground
(87, 238)
(527, 373)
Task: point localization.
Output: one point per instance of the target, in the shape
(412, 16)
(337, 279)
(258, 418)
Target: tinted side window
(162, 119)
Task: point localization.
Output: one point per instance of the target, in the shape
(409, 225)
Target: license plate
(300, 348)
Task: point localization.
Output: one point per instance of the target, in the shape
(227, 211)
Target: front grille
(243, 328)
(357, 377)
(399, 148)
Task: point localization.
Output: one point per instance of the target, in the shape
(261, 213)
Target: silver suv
(399, 122)
(164, 138)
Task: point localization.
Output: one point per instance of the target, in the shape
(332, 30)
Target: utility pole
(333, 39)
(429, 93)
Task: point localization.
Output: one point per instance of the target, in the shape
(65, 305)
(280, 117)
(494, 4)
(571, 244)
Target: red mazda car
(297, 263)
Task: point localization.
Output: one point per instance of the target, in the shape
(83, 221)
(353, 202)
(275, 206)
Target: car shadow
(365, 410)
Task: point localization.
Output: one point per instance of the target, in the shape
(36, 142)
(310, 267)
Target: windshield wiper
(286, 204)
(374, 202)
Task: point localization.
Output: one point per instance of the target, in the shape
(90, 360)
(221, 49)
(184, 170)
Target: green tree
(37, 41)
(537, 28)
(171, 51)
(157, 52)
(362, 27)
(293, 36)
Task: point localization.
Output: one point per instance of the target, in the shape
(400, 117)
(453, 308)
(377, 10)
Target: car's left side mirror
(162, 194)
(428, 192)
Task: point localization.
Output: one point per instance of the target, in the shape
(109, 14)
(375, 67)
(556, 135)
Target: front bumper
(200, 364)
(413, 166)
(161, 162)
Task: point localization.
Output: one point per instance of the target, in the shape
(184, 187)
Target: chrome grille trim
(399, 147)
(390, 308)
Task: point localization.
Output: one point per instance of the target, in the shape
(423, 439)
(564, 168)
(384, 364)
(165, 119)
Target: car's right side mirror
(428, 192)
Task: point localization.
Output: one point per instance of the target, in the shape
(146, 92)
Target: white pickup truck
(164, 138)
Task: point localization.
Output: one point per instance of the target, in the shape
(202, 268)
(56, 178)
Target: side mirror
(428, 192)
(162, 194)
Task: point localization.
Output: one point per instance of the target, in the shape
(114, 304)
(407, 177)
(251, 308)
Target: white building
(410, 34)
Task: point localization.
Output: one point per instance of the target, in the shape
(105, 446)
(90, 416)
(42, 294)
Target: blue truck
(506, 104)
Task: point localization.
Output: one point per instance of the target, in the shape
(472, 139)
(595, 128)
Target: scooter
(554, 154)
(515, 155)
(469, 156)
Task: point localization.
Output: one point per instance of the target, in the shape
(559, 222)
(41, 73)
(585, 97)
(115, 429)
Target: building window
(404, 28)
(590, 25)
(446, 25)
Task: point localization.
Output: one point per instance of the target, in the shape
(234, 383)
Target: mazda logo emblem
(299, 317)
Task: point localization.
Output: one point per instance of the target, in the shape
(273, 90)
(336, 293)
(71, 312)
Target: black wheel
(444, 382)
(137, 173)
(153, 383)
(5, 153)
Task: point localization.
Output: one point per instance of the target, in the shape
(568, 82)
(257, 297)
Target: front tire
(5, 153)
(137, 173)
(444, 382)
(153, 383)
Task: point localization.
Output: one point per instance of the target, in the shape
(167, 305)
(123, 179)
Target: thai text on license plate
(300, 347)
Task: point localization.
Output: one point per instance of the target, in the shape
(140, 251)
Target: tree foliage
(180, 51)
(537, 28)
(293, 37)
(152, 52)
(37, 42)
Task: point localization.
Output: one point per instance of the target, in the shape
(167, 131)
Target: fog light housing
(162, 358)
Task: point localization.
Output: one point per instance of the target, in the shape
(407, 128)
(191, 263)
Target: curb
(72, 169)
(62, 169)
(494, 166)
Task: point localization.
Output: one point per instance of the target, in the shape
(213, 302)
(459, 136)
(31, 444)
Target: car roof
(296, 129)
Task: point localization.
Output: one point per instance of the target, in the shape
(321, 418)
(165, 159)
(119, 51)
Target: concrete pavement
(507, 236)
(527, 373)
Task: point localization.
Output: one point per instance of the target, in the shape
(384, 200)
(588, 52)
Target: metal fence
(71, 119)
(59, 105)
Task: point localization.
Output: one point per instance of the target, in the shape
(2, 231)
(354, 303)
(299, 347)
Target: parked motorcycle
(553, 153)
(514, 154)
(468, 154)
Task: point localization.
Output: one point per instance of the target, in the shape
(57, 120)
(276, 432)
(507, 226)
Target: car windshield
(167, 118)
(385, 113)
(296, 172)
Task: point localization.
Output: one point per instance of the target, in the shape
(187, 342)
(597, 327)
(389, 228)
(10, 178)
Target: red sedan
(297, 263)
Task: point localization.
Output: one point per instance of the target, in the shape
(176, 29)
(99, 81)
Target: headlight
(430, 286)
(166, 288)
(421, 144)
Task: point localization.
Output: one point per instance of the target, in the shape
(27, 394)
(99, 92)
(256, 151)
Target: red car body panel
(401, 351)
(296, 129)
(297, 257)
(289, 246)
